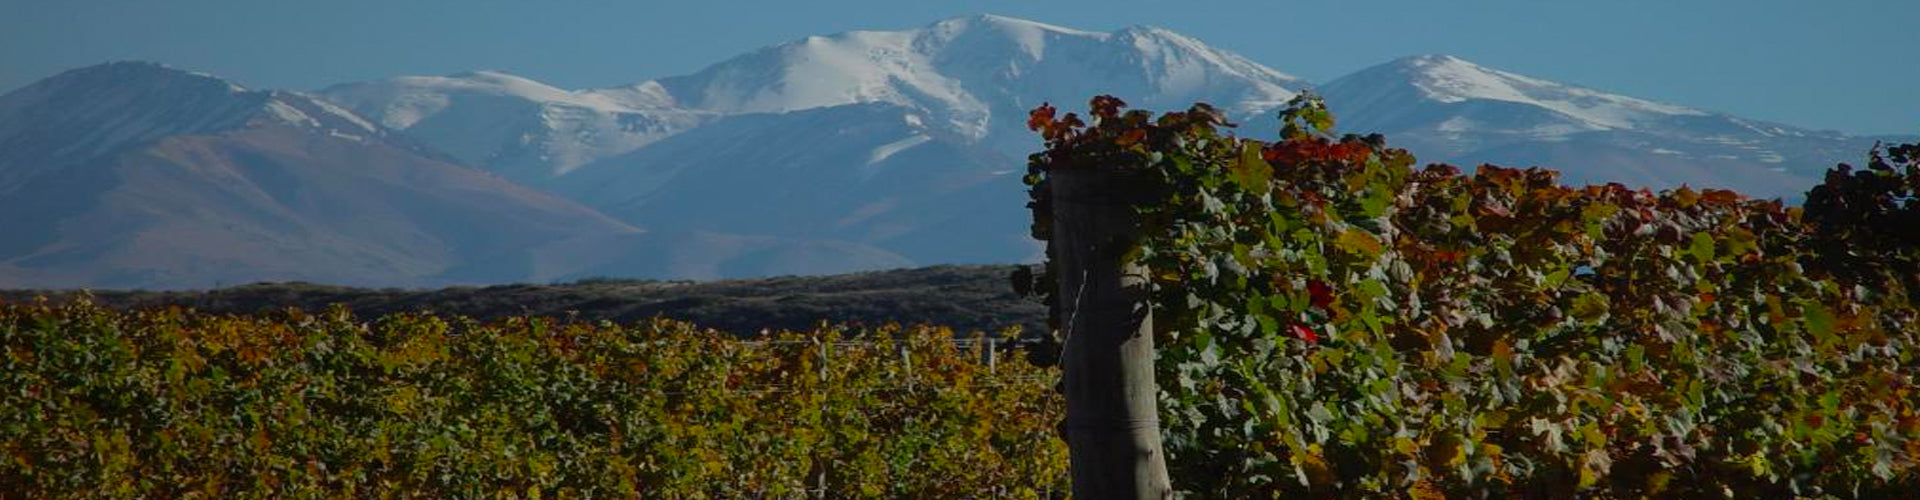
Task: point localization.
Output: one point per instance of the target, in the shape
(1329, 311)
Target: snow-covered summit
(1029, 36)
(978, 73)
(1173, 56)
(1444, 108)
(515, 126)
(1000, 22)
(1446, 79)
(402, 102)
(975, 77)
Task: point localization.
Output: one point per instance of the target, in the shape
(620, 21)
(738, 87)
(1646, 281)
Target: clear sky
(1850, 65)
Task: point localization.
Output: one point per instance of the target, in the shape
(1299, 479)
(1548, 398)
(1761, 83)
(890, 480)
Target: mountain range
(855, 151)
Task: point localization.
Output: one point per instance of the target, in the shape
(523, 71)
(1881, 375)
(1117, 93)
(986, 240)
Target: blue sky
(1846, 65)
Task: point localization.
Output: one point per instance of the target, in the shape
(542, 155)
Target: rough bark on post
(1112, 425)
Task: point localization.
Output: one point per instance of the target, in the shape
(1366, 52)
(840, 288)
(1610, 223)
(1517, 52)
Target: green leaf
(1702, 248)
(1557, 278)
(1375, 203)
(1318, 118)
(1209, 352)
(1252, 172)
(1819, 319)
(1358, 242)
(1268, 326)
(1373, 323)
(1590, 307)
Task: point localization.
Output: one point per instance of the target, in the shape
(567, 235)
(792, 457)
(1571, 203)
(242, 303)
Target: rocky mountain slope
(139, 175)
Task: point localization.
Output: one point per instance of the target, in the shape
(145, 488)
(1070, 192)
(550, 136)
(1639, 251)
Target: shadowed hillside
(965, 298)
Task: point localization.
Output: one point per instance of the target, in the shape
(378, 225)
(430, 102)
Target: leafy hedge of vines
(1333, 322)
(177, 404)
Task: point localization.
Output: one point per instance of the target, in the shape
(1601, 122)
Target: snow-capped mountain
(1446, 109)
(523, 130)
(978, 76)
(975, 77)
(909, 140)
(854, 151)
(912, 140)
(1375, 94)
(139, 175)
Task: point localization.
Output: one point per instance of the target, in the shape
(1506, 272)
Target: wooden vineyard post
(1112, 425)
(826, 348)
(990, 356)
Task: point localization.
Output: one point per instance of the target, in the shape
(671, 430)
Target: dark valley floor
(966, 298)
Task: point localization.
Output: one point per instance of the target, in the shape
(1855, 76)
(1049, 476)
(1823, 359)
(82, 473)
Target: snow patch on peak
(508, 84)
(892, 67)
(288, 114)
(496, 82)
(405, 101)
(491, 75)
(518, 127)
(343, 114)
(1180, 65)
(887, 150)
(1450, 79)
(1143, 35)
(644, 95)
(307, 111)
(1029, 37)
(1007, 24)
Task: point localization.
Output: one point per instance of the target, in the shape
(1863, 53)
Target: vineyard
(167, 403)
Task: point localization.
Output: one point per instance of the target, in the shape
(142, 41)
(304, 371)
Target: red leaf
(1306, 334)
(1073, 121)
(1062, 130)
(1352, 152)
(1040, 117)
(1296, 151)
(1320, 294)
(1720, 196)
(1106, 106)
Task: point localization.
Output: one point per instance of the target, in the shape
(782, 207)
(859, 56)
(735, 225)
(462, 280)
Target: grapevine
(1333, 322)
